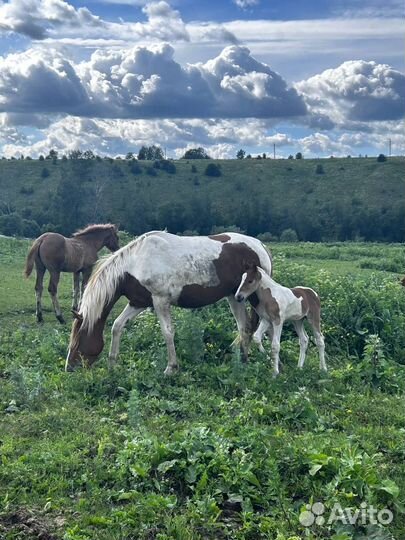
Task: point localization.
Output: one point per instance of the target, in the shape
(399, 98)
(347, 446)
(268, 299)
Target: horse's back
(51, 250)
(194, 270)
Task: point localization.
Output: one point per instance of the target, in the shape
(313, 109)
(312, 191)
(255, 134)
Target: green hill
(346, 199)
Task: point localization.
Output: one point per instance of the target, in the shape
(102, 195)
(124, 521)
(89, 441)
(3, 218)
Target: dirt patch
(25, 524)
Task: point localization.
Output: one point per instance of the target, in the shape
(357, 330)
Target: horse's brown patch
(136, 293)
(271, 305)
(310, 304)
(229, 268)
(220, 237)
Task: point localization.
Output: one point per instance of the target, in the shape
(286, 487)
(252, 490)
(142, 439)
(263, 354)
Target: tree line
(199, 197)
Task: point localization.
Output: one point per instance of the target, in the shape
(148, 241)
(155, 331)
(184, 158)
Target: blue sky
(324, 78)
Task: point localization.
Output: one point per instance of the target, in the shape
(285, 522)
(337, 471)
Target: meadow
(221, 450)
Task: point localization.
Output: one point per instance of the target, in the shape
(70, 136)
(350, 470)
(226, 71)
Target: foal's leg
(53, 291)
(126, 315)
(162, 309)
(76, 290)
(40, 268)
(241, 316)
(275, 347)
(303, 338)
(315, 322)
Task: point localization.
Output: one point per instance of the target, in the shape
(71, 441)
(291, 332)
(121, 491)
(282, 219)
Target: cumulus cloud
(34, 18)
(39, 81)
(356, 91)
(244, 4)
(145, 82)
(57, 19)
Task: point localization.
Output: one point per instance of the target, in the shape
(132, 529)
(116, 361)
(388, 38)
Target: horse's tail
(32, 254)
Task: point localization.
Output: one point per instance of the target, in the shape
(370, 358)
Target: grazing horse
(55, 253)
(278, 304)
(161, 270)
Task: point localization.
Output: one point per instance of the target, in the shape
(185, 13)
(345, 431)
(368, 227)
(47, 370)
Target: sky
(321, 78)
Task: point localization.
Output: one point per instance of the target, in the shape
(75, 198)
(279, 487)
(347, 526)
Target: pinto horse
(161, 270)
(55, 253)
(277, 304)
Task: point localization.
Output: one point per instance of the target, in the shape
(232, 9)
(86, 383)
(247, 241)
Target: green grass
(222, 450)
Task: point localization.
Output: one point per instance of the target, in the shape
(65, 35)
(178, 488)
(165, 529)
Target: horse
(55, 253)
(278, 304)
(161, 270)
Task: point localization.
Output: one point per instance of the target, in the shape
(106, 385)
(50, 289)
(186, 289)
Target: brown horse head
(111, 240)
(84, 347)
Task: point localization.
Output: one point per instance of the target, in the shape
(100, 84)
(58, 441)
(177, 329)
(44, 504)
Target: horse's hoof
(170, 370)
(61, 319)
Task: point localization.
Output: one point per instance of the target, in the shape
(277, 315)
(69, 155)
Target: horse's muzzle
(239, 298)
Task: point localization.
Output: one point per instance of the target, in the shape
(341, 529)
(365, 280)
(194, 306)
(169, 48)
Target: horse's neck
(267, 283)
(94, 240)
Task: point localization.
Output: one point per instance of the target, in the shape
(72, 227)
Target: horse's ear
(77, 315)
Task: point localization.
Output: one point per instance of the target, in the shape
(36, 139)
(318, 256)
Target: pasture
(221, 450)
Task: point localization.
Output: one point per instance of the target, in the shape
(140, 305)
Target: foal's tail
(33, 252)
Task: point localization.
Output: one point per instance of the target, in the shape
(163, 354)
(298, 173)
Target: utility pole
(274, 150)
(389, 147)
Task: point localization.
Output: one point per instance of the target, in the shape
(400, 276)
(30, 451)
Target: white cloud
(244, 4)
(145, 82)
(356, 91)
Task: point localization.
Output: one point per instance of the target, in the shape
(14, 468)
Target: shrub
(45, 173)
(30, 228)
(135, 168)
(11, 224)
(381, 158)
(151, 171)
(319, 169)
(288, 235)
(213, 170)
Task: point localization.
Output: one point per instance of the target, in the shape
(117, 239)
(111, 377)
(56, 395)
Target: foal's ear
(77, 315)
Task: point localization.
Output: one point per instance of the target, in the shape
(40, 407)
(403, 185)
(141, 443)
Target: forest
(333, 199)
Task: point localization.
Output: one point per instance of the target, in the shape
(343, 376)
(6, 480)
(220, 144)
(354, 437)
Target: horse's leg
(53, 291)
(314, 320)
(162, 309)
(40, 268)
(303, 338)
(275, 347)
(242, 320)
(258, 335)
(126, 315)
(86, 273)
(76, 290)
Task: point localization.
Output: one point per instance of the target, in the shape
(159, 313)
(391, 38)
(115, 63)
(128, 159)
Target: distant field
(220, 451)
(353, 199)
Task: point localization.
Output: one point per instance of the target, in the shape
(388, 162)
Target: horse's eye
(250, 281)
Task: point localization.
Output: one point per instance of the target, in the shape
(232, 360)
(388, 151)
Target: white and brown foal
(161, 270)
(278, 304)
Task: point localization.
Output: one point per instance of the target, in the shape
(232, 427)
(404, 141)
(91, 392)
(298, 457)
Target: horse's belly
(194, 296)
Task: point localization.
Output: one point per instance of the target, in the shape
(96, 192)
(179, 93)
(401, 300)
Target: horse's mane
(104, 281)
(95, 227)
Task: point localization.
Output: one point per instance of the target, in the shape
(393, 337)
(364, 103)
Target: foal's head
(84, 346)
(249, 283)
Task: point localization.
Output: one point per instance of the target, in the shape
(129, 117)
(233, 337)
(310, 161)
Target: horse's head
(84, 347)
(249, 283)
(111, 240)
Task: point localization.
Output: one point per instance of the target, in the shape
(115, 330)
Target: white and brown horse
(278, 304)
(55, 253)
(161, 270)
